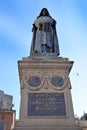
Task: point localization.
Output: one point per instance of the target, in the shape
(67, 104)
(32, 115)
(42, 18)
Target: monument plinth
(45, 86)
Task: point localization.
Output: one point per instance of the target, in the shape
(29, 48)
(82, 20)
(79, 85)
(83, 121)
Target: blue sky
(16, 19)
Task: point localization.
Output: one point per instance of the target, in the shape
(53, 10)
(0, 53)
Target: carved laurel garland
(45, 82)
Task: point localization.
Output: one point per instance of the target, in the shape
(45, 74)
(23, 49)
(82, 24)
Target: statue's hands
(53, 24)
(40, 26)
(34, 27)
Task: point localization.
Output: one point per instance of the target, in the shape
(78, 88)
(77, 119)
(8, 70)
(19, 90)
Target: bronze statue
(44, 34)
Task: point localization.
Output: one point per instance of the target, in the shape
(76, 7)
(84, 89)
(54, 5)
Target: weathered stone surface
(45, 70)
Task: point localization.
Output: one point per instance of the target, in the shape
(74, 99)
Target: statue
(44, 34)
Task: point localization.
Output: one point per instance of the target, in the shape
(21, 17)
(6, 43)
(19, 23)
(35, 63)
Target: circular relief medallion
(34, 81)
(57, 81)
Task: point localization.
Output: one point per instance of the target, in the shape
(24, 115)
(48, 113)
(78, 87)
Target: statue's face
(44, 12)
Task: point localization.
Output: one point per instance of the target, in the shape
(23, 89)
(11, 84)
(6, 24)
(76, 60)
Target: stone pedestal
(46, 102)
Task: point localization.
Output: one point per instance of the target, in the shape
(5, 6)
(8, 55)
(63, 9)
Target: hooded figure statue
(44, 34)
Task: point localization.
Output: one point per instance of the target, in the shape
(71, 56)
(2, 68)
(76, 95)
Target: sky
(16, 19)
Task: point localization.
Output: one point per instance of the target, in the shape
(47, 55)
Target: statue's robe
(44, 34)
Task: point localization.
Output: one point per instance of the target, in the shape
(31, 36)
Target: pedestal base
(46, 128)
(46, 102)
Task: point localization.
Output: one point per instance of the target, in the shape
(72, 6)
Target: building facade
(7, 115)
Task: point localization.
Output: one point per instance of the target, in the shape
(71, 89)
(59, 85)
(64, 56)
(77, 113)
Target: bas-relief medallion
(34, 81)
(37, 82)
(57, 81)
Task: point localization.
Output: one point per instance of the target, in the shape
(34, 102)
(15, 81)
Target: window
(1, 126)
(2, 117)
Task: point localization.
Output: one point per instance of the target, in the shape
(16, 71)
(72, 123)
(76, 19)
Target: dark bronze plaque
(46, 104)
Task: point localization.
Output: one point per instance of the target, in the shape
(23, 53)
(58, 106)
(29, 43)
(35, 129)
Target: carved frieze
(36, 81)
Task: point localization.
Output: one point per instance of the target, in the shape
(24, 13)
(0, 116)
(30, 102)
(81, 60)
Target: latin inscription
(46, 104)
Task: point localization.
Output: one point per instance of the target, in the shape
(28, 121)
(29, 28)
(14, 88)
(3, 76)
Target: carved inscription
(46, 104)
